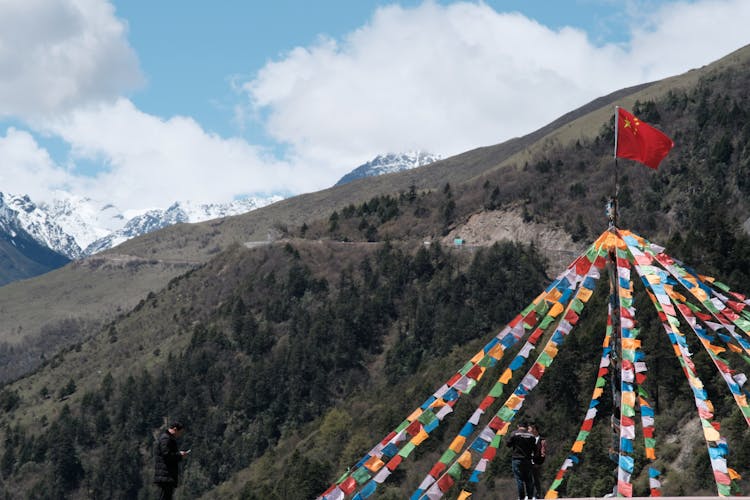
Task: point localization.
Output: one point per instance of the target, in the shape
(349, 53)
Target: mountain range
(289, 356)
(75, 227)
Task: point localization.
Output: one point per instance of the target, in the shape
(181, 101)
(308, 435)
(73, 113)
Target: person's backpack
(541, 451)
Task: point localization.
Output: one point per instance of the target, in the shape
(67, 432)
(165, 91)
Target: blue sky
(144, 103)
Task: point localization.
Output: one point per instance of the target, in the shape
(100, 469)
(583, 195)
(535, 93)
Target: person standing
(167, 458)
(522, 444)
(540, 453)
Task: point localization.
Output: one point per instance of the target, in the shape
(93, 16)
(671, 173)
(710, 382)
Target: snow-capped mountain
(389, 163)
(21, 212)
(77, 227)
(152, 220)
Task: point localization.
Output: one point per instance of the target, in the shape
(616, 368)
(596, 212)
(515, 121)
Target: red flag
(640, 141)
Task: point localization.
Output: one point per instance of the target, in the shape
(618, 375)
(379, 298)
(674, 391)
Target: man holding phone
(167, 459)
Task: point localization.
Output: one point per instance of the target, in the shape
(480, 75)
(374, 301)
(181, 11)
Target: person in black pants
(540, 454)
(523, 444)
(167, 459)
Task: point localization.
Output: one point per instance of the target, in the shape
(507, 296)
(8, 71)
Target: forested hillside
(288, 361)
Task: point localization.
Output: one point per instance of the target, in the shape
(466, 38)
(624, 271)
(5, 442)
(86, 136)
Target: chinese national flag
(640, 141)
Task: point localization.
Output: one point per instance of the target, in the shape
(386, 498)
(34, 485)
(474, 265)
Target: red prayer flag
(640, 141)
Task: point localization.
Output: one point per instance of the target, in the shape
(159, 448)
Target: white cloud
(57, 54)
(151, 162)
(26, 167)
(450, 78)
(439, 78)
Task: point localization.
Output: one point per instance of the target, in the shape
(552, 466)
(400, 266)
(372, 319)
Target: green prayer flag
(495, 443)
(650, 442)
(361, 475)
(506, 414)
(577, 305)
(403, 425)
(407, 449)
(743, 324)
(542, 307)
(546, 322)
(485, 362)
(692, 306)
(427, 417)
(582, 435)
(628, 411)
(468, 366)
(710, 306)
(591, 253)
(601, 382)
(497, 390)
(544, 359)
(643, 392)
(721, 285)
(724, 490)
(448, 456)
(454, 471)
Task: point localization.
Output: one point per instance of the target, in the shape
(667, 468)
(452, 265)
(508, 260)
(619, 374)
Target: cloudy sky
(143, 103)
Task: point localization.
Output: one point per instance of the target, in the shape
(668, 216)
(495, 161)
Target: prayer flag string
(723, 315)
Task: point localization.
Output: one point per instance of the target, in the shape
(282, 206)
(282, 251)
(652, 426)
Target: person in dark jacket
(167, 459)
(540, 454)
(522, 444)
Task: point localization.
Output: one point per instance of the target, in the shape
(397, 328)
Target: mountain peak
(388, 164)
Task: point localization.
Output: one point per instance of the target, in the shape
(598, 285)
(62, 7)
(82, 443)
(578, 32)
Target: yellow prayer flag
(677, 295)
(507, 375)
(514, 401)
(464, 495)
(551, 350)
(715, 348)
(421, 436)
(415, 415)
(711, 434)
(597, 393)
(465, 459)
(577, 447)
(734, 348)
(374, 464)
(650, 454)
(624, 292)
(438, 403)
(654, 279)
(733, 474)
(551, 494)
(496, 352)
(585, 294)
(628, 398)
(556, 309)
(477, 357)
(554, 295)
(632, 344)
(458, 443)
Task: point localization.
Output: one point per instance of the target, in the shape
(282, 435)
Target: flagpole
(612, 209)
